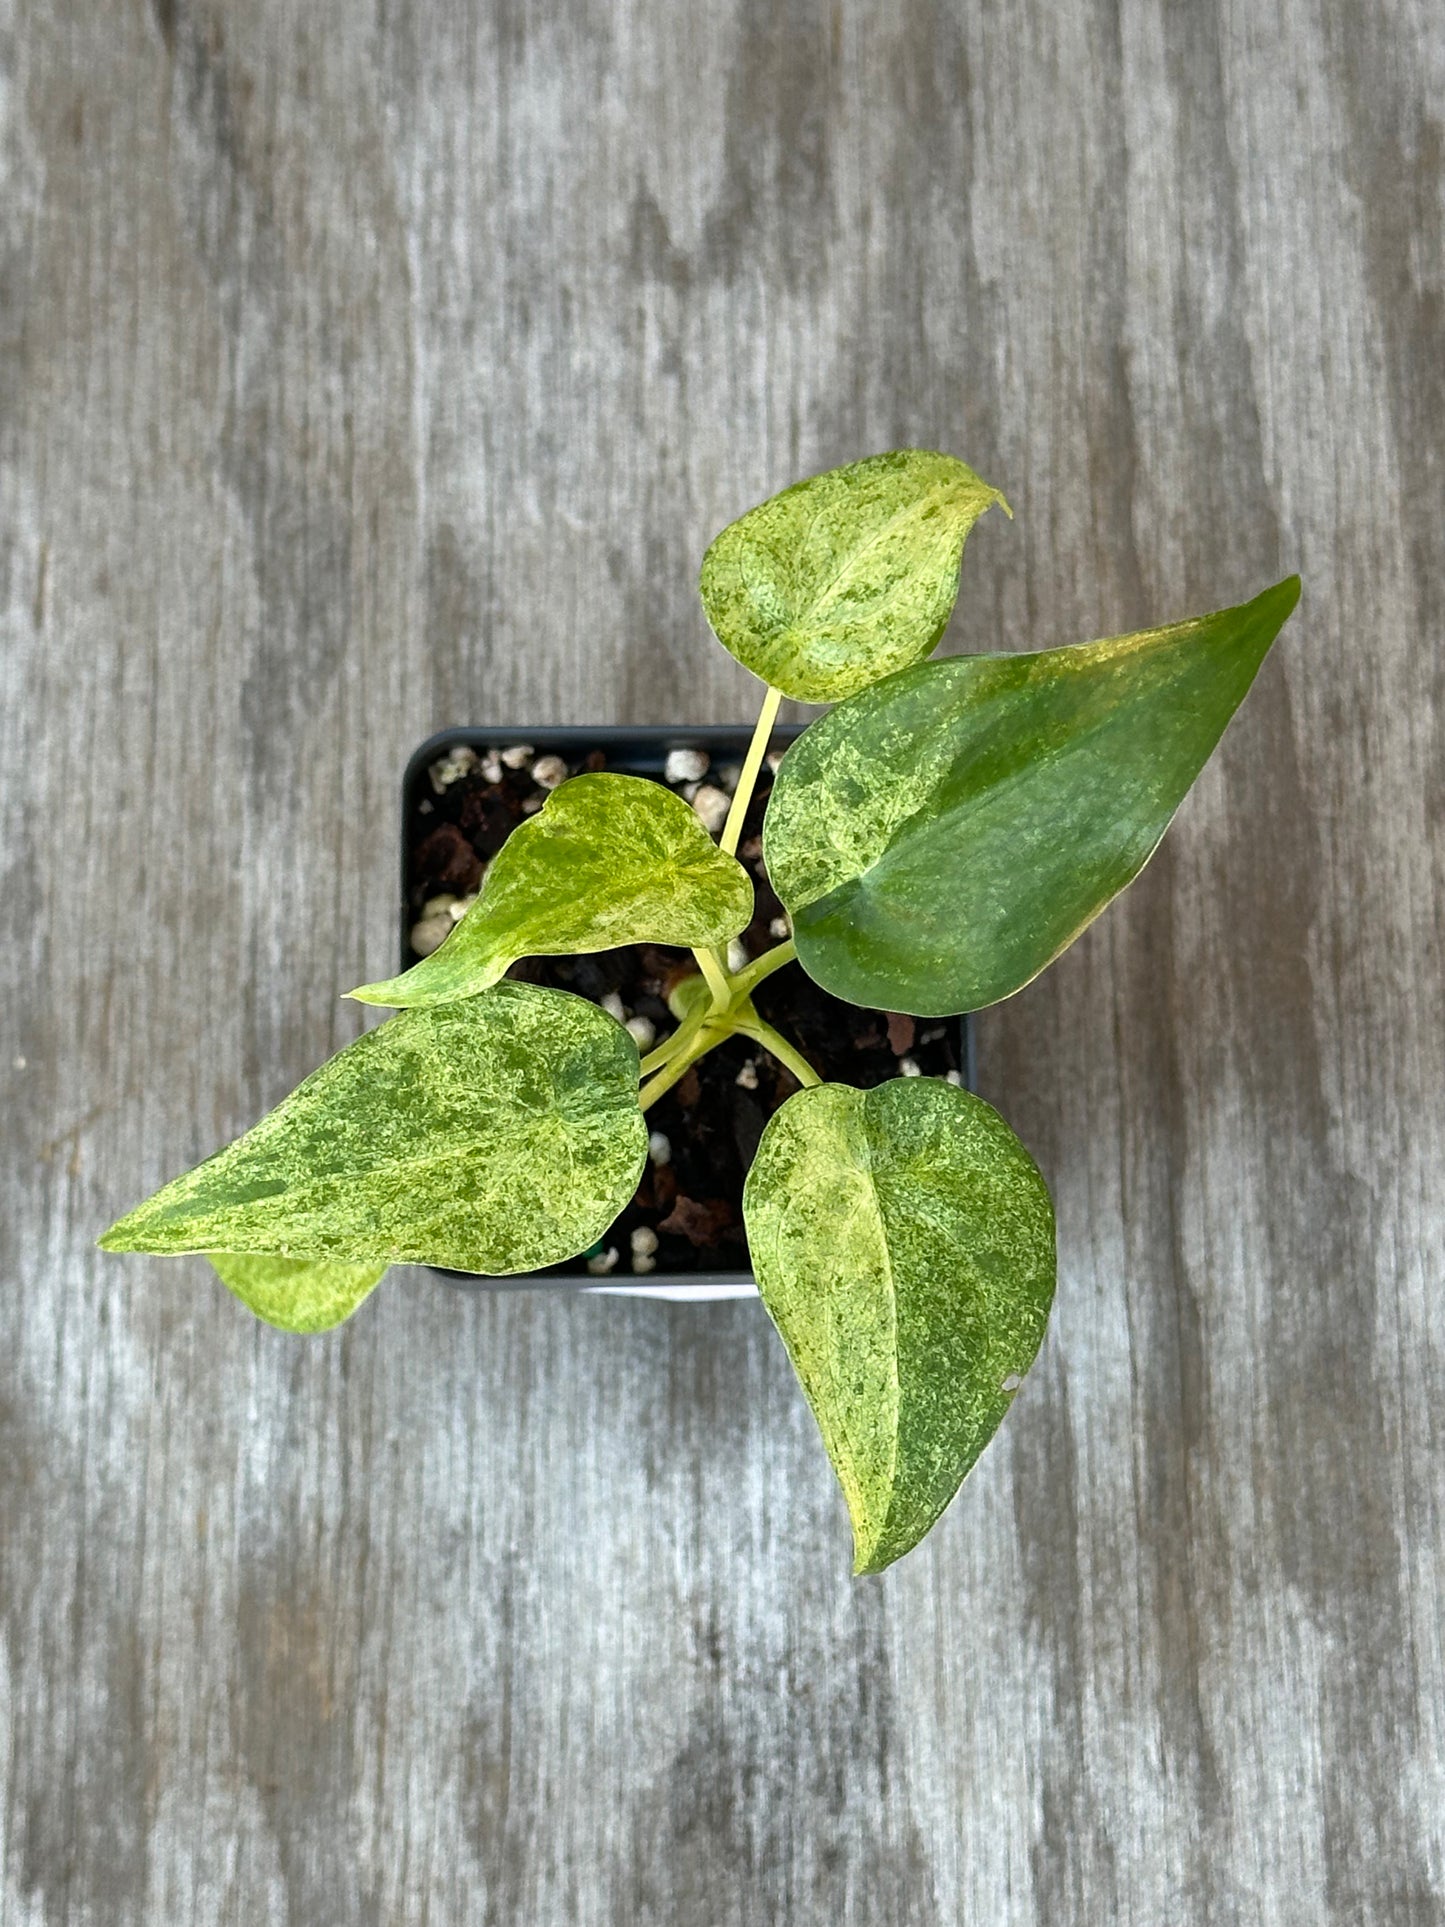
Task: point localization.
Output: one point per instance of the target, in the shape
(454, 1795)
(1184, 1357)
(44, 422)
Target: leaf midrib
(617, 897)
(303, 1194)
(869, 1134)
(909, 510)
(1030, 770)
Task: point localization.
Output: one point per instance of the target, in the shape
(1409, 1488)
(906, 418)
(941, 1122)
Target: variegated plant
(937, 839)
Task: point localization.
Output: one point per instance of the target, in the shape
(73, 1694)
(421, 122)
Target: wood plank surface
(370, 368)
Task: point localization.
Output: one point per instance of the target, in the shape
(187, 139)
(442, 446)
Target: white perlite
(518, 755)
(738, 958)
(643, 1032)
(686, 765)
(644, 1241)
(712, 806)
(548, 772)
(603, 1262)
(659, 1147)
(458, 762)
(747, 1077)
(909, 1067)
(780, 928)
(491, 767)
(614, 1006)
(430, 934)
(453, 909)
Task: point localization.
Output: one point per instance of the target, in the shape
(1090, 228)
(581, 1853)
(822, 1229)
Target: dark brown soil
(691, 1198)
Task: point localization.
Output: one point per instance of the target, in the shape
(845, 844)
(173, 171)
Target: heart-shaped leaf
(940, 838)
(903, 1243)
(296, 1294)
(846, 577)
(494, 1135)
(608, 860)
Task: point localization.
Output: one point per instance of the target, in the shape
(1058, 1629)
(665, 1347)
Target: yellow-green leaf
(941, 837)
(846, 577)
(296, 1294)
(903, 1243)
(608, 860)
(494, 1135)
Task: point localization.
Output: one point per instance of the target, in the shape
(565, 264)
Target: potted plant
(935, 840)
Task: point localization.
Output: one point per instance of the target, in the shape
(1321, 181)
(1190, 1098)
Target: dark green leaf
(493, 1135)
(903, 1243)
(846, 577)
(608, 860)
(941, 837)
(296, 1294)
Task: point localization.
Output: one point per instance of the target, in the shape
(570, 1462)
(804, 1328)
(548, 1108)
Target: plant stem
(675, 1056)
(717, 979)
(747, 981)
(751, 1025)
(670, 1046)
(752, 763)
(706, 1037)
(731, 1009)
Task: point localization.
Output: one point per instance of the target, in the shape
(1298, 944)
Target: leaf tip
(117, 1237)
(391, 993)
(1278, 602)
(1266, 614)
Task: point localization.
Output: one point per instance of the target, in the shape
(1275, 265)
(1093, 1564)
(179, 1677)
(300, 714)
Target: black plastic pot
(638, 751)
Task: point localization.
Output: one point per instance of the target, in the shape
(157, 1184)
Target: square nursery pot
(464, 791)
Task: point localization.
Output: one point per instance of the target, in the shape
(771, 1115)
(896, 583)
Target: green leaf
(296, 1294)
(939, 839)
(608, 860)
(846, 577)
(494, 1135)
(903, 1243)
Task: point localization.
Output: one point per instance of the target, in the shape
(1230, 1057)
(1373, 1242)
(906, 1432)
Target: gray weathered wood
(368, 368)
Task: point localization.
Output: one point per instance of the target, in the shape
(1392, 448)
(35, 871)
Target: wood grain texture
(367, 368)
